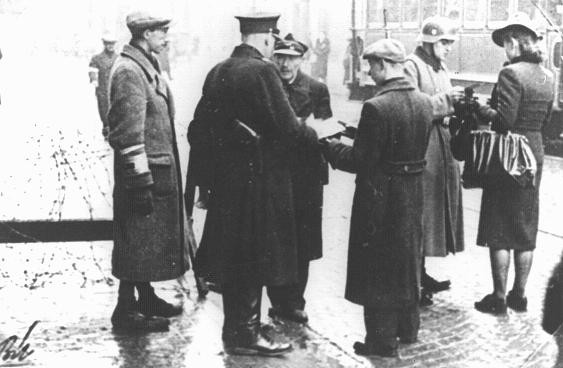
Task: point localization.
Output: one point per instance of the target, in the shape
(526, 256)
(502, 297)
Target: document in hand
(326, 128)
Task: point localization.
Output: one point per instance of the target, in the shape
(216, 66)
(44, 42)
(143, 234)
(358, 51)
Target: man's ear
(146, 34)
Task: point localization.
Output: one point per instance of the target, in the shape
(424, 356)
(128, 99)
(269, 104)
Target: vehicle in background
(475, 60)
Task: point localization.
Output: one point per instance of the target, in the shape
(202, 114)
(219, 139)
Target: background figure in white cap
(243, 132)
(100, 67)
(309, 172)
(521, 102)
(386, 227)
(149, 234)
(443, 211)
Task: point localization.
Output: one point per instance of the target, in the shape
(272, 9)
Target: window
(410, 13)
(474, 15)
(499, 11)
(375, 13)
(429, 8)
(528, 7)
(557, 55)
(452, 10)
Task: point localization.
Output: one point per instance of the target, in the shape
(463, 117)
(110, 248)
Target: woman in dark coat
(521, 103)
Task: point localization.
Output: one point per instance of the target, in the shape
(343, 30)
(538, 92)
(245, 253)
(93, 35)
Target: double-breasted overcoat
(443, 207)
(309, 170)
(242, 134)
(141, 121)
(384, 255)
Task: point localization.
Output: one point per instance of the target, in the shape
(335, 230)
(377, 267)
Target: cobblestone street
(68, 286)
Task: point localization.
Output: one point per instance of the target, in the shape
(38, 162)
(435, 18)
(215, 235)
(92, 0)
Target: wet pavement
(69, 288)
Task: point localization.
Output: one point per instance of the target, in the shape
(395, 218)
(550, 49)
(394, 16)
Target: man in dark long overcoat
(241, 138)
(309, 173)
(149, 237)
(384, 256)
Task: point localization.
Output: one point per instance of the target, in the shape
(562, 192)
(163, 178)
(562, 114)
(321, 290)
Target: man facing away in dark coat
(309, 172)
(149, 234)
(100, 67)
(241, 138)
(384, 255)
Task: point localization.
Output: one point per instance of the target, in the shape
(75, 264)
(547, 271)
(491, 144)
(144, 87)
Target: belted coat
(384, 254)
(521, 103)
(309, 170)
(141, 121)
(443, 207)
(241, 137)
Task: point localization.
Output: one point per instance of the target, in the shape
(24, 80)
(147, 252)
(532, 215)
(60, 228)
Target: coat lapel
(153, 76)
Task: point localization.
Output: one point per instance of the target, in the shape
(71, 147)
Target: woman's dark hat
(518, 20)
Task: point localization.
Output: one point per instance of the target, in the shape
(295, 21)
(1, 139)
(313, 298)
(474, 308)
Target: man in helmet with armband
(443, 211)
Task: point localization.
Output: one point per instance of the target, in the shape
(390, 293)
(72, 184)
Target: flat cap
(139, 21)
(109, 37)
(290, 46)
(386, 48)
(258, 23)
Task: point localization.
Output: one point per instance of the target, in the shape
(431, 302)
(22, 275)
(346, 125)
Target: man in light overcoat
(149, 234)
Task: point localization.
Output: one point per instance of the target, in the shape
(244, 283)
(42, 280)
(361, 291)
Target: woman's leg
(500, 263)
(522, 264)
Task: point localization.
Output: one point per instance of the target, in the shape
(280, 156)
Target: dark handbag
(491, 157)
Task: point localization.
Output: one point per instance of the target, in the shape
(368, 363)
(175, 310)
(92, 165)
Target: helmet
(437, 28)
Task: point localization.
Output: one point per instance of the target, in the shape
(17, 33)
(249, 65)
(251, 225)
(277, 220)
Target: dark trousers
(103, 107)
(126, 292)
(384, 326)
(291, 296)
(242, 298)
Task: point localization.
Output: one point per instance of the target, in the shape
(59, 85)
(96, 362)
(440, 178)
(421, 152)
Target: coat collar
(149, 69)
(428, 59)
(246, 51)
(140, 58)
(299, 80)
(394, 84)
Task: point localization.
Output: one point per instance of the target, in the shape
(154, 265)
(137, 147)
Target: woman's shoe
(491, 304)
(515, 302)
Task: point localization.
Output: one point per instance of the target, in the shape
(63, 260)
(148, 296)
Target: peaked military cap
(139, 21)
(258, 23)
(290, 46)
(386, 48)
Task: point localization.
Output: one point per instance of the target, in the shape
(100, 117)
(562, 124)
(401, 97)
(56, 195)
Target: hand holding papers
(326, 129)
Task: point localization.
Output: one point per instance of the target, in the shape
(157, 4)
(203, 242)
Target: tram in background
(475, 60)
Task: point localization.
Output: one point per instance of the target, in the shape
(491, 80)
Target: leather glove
(141, 201)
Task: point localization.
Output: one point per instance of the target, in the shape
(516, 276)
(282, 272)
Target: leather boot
(126, 318)
(150, 304)
(257, 344)
(291, 314)
(242, 334)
